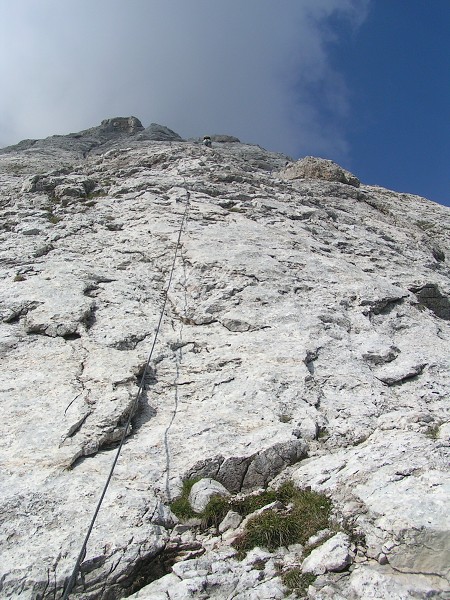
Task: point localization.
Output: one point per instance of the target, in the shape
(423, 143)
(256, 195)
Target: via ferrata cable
(72, 581)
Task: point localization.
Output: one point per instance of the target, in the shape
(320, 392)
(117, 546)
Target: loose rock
(333, 555)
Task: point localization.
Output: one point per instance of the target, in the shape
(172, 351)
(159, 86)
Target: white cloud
(257, 69)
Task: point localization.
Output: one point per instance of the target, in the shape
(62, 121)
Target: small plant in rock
(259, 564)
(19, 277)
(433, 431)
(248, 504)
(269, 530)
(309, 512)
(424, 225)
(298, 582)
(285, 418)
(95, 194)
(323, 433)
(218, 506)
(181, 507)
(52, 218)
(215, 511)
(306, 513)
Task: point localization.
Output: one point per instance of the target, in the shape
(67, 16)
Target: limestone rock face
(159, 133)
(311, 167)
(305, 336)
(122, 124)
(224, 138)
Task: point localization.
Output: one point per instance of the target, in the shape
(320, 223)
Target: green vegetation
(215, 511)
(19, 277)
(323, 433)
(95, 194)
(433, 431)
(52, 218)
(285, 418)
(298, 582)
(181, 507)
(218, 506)
(309, 514)
(424, 225)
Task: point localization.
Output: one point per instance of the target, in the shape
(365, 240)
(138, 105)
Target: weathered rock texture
(307, 317)
(311, 167)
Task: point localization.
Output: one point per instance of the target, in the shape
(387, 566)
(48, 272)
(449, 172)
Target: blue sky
(363, 82)
(397, 68)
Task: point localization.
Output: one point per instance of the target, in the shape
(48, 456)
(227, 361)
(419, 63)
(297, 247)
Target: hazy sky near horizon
(363, 82)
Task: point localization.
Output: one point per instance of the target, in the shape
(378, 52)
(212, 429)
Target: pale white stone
(374, 581)
(157, 590)
(444, 432)
(232, 520)
(202, 491)
(332, 555)
(318, 537)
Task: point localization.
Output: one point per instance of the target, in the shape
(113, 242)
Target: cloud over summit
(256, 69)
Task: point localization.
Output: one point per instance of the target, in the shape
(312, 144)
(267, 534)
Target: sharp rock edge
(309, 316)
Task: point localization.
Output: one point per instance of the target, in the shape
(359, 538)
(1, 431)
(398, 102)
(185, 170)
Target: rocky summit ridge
(305, 339)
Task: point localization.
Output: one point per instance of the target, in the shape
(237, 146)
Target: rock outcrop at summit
(159, 133)
(305, 338)
(311, 167)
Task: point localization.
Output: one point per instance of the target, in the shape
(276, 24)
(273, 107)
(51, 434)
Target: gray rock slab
(319, 168)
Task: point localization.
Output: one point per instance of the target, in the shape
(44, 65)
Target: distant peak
(122, 124)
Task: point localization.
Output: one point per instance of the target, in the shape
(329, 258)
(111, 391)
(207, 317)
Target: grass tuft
(425, 225)
(215, 511)
(309, 514)
(52, 218)
(218, 506)
(245, 506)
(433, 431)
(181, 507)
(285, 418)
(269, 530)
(298, 582)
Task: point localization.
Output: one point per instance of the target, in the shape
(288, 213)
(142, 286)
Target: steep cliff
(305, 337)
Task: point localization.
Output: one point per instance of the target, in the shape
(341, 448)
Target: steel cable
(72, 581)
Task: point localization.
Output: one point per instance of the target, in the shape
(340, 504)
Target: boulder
(333, 555)
(319, 168)
(202, 492)
(232, 520)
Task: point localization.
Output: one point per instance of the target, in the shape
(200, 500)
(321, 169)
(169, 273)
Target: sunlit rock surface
(306, 336)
